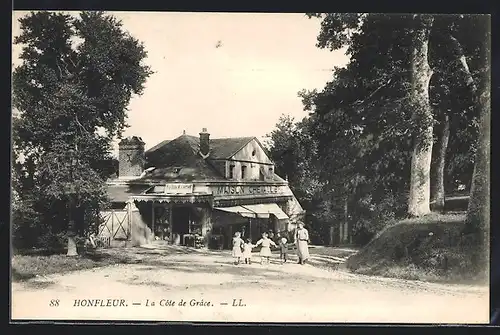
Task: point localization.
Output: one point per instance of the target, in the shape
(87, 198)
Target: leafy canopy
(77, 77)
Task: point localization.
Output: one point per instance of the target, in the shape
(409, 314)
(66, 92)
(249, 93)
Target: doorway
(181, 217)
(161, 224)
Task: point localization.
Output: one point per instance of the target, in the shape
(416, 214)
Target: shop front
(181, 214)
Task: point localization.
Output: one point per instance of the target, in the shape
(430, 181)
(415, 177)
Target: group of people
(242, 249)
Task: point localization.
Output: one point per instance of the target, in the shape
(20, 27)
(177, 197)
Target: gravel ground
(211, 284)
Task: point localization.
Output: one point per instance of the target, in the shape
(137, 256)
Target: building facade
(194, 189)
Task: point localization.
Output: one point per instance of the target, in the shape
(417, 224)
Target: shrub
(370, 216)
(25, 225)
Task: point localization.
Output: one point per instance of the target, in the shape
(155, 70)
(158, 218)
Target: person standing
(283, 244)
(265, 252)
(247, 251)
(302, 242)
(237, 246)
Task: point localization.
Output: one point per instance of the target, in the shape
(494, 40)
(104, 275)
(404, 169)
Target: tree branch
(373, 93)
(463, 61)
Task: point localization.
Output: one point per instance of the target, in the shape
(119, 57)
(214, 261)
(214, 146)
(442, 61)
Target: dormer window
(177, 170)
(271, 171)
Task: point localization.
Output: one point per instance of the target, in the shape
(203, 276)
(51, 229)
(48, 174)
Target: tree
(72, 89)
(421, 72)
(426, 57)
(455, 115)
(478, 212)
(293, 151)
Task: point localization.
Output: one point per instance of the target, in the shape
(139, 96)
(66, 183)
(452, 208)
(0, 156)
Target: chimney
(130, 157)
(204, 142)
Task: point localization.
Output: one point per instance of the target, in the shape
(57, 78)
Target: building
(196, 188)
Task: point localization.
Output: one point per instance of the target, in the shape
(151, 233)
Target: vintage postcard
(250, 167)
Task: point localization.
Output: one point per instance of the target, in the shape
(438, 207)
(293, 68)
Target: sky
(232, 73)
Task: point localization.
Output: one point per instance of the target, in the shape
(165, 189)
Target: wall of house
(254, 158)
(253, 171)
(252, 152)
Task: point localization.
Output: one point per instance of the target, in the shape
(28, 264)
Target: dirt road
(213, 289)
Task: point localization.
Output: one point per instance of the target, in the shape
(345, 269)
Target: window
(271, 172)
(243, 171)
(231, 171)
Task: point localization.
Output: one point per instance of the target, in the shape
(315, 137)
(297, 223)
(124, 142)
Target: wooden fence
(116, 226)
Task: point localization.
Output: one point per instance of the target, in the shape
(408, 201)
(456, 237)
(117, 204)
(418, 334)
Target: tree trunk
(72, 250)
(478, 211)
(346, 222)
(437, 182)
(419, 195)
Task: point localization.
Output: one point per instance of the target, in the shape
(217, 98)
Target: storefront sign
(177, 188)
(222, 190)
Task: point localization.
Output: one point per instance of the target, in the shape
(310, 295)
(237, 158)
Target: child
(237, 244)
(247, 251)
(265, 251)
(283, 243)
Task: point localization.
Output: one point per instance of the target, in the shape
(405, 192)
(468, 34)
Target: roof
(220, 148)
(159, 145)
(223, 148)
(122, 193)
(179, 160)
(131, 140)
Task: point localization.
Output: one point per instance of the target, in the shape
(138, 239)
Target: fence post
(129, 219)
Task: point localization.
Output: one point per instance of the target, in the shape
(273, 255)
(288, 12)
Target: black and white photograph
(250, 167)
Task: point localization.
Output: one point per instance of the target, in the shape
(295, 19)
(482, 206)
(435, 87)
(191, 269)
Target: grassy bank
(29, 265)
(430, 248)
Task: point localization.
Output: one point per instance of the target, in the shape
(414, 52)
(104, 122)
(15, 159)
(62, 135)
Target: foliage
(77, 76)
(361, 123)
(292, 148)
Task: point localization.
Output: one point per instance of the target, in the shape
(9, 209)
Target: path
(272, 293)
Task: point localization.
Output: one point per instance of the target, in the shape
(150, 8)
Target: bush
(25, 226)
(427, 248)
(370, 216)
(52, 241)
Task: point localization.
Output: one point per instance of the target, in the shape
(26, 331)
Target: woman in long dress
(302, 241)
(265, 251)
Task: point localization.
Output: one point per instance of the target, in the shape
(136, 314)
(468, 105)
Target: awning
(261, 211)
(237, 210)
(264, 210)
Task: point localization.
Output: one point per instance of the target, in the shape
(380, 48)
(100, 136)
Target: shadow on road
(209, 273)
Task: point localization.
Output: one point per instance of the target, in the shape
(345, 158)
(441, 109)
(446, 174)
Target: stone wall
(141, 233)
(206, 225)
(131, 157)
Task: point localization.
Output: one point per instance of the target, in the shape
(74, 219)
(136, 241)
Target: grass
(429, 248)
(26, 266)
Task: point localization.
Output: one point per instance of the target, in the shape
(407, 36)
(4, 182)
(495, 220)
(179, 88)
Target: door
(181, 217)
(161, 222)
